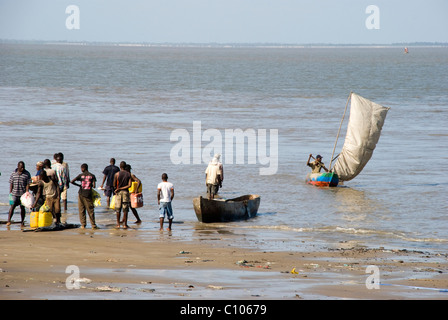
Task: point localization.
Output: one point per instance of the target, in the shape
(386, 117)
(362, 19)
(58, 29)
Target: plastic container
(45, 219)
(34, 219)
(134, 187)
(112, 202)
(136, 200)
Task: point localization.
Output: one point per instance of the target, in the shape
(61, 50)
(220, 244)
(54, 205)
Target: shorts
(64, 193)
(166, 209)
(212, 188)
(16, 201)
(122, 201)
(109, 191)
(55, 206)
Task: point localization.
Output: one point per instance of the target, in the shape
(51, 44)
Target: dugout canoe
(323, 179)
(226, 210)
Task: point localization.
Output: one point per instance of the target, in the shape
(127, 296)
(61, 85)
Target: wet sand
(119, 264)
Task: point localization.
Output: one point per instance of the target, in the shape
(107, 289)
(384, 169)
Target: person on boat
(213, 176)
(317, 164)
(165, 195)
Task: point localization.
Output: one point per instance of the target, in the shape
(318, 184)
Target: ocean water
(94, 102)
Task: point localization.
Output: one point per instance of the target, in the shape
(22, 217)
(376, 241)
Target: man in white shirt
(213, 176)
(165, 194)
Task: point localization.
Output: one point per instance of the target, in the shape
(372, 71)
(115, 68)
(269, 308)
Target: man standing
(18, 185)
(122, 181)
(85, 200)
(136, 190)
(67, 185)
(165, 194)
(109, 173)
(62, 176)
(213, 177)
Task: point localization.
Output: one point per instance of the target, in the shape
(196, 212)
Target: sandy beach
(118, 264)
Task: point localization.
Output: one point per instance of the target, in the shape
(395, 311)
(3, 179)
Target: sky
(226, 21)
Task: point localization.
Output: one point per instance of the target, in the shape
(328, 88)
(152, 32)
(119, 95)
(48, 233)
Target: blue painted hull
(325, 179)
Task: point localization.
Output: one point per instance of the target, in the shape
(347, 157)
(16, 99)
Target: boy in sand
(165, 194)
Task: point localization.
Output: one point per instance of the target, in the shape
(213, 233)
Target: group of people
(52, 180)
(49, 185)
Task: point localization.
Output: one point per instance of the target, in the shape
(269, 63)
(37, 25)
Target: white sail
(363, 132)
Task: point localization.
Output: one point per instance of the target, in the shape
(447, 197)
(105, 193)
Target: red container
(136, 200)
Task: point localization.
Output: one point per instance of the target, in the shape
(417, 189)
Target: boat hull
(323, 179)
(221, 210)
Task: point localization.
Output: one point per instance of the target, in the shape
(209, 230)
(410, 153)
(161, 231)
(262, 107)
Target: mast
(340, 126)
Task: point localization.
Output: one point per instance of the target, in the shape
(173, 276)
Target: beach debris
(108, 289)
(215, 287)
(184, 252)
(82, 280)
(249, 264)
(312, 265)
(293, 271)
(244, 263)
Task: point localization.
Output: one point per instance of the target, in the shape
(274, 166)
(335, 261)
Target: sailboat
(363, 132)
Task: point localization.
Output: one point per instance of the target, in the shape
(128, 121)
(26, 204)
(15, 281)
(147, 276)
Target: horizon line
(227, 44)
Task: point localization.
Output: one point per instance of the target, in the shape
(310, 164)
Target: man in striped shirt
(18, 185)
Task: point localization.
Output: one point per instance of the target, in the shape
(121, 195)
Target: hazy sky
(227, 21)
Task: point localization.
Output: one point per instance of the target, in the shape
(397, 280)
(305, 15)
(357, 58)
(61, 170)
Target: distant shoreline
(226, 45)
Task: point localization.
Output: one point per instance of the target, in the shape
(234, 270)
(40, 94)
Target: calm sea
(97, 102)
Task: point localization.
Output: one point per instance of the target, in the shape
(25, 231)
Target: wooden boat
(363, 132)
(323, 179)
(225, 210)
